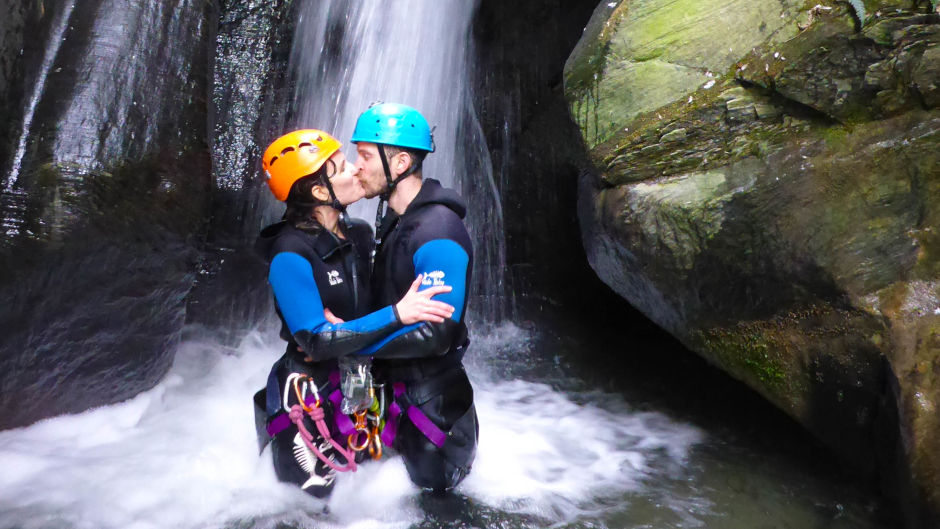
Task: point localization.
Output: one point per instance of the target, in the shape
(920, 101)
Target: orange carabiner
(300, 394)
(361, 431)
(375, 444)
(353, 437)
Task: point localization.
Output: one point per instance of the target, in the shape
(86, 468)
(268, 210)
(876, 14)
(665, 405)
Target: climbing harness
(401, 404)
(407, 402)
(363, 435)
(311, 406)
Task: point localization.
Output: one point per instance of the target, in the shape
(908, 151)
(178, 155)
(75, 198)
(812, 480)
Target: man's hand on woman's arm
(418, 306)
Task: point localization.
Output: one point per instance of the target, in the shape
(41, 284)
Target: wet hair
(417, 156)
(300, 201)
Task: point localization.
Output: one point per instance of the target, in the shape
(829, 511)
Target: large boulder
(767, 188)
(105, 192)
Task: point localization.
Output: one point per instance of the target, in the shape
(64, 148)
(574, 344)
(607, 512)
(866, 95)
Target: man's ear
(402, 162)
(320, 193)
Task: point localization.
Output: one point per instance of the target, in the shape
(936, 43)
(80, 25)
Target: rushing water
(552, 453)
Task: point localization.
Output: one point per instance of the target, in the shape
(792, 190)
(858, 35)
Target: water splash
(184, 455)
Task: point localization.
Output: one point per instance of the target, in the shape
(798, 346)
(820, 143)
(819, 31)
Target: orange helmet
(294, 156)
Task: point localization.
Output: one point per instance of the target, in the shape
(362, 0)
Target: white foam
(541, 452)
(184, 455)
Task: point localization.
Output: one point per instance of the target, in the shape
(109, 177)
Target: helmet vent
(287, 150)
(273, 159)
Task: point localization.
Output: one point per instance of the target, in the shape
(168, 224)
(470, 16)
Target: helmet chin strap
(337, 205)
(382, 210)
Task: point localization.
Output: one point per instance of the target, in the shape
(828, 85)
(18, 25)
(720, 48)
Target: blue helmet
(394, 124)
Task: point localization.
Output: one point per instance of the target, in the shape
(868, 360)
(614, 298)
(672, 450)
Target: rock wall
(766, 187)
(13, 43)
(535, 146)
(104, 200)
(250, 98)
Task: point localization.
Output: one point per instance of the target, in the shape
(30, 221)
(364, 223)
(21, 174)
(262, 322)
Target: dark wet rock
(104, 211)
(535, 147)
(791, 236)
(250, 99)
(19, 31)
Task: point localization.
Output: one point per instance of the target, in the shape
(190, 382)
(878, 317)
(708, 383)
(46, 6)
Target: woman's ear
(320, 193)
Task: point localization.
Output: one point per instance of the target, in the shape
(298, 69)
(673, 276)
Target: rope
(316, 413)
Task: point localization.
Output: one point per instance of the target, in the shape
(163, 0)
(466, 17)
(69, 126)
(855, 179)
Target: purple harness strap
(279, 423)
(417, 417)
(345, 425)
(394, 411)
(343, 422)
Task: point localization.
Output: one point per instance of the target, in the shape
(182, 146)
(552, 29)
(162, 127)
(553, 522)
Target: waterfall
(348, 54)
(13, 199)
(52, 50)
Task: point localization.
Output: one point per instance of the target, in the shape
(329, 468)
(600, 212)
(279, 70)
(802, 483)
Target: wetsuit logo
(433, 279)
(334, 278)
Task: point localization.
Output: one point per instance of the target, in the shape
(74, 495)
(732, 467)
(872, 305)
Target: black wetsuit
(428, 238)
(309, 270)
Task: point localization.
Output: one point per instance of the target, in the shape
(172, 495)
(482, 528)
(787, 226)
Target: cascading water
(348, 55)
(12, 199)
(52, 49)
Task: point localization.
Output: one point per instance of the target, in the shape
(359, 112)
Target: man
(432, 421)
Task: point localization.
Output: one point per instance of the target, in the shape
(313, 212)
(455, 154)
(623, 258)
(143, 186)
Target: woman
(319, 262)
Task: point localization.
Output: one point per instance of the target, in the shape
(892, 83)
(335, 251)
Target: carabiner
(362, 430)
(295, 380)
(356, 436)
(375, 444)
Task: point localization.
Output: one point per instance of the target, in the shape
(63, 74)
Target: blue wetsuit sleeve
(442, 262)
(298, 298)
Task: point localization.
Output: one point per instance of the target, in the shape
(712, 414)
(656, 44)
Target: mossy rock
(648, 53)
(765, 204)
